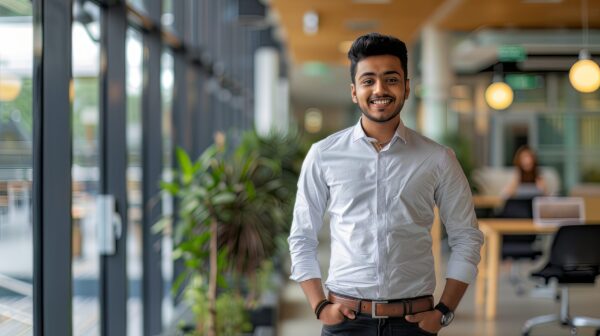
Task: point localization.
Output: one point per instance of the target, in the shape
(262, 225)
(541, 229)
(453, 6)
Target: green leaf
(221, 282)
(203, 238)
(192, 263)
(201, 215)
(250, 190)
(171, 188)
(178, 282)
(196, 243)
(185, 164)
(222, 259)
(162, 224)
(223, 198)
(221, 265)
(207, 156)
(177, 254)
(189, 206)
(200, 192)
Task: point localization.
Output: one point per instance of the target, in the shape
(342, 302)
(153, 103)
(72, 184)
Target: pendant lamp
(585, 73)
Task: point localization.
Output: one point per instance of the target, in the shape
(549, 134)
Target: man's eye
(393, 80)
(367, 82)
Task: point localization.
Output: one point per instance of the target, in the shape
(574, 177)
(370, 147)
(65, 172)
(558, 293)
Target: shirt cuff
(305, 272)
(461, 271)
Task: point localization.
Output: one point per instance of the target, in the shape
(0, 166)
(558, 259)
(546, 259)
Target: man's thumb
(410, 318)
(348, 313)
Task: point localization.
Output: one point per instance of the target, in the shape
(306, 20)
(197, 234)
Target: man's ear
(353, 93)
(407, 89)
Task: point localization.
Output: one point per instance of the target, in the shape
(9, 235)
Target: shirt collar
(359, 133)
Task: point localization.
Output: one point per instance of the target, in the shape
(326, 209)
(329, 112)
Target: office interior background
(95, 95)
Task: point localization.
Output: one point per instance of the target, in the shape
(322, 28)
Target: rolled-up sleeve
(311, 202)
(454, 200)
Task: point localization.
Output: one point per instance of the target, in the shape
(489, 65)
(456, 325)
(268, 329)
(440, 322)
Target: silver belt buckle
(374, 309)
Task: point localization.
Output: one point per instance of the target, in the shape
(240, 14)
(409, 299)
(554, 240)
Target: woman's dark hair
(526, 176)
(374, 44)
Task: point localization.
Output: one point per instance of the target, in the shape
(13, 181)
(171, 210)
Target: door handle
(109, 225)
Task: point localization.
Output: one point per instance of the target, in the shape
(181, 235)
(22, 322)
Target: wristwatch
(447, 314)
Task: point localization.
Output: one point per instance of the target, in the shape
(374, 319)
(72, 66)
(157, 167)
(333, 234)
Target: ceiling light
(499, 95)
(313, 120)
(585, 73)
(310, 22)
(10, 87)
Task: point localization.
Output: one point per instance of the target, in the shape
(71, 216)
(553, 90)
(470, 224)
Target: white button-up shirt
(381, 209)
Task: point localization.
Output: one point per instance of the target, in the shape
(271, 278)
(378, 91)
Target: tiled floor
(297, 319)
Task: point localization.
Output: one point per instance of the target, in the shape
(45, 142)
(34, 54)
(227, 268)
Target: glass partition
(85, 171)
(167, 200)
(16, 233)
(134, 181)
(167, 19)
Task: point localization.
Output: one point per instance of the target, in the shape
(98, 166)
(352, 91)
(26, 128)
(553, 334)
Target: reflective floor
(297, 319)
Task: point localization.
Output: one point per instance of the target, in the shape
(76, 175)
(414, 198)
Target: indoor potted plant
(230, 209)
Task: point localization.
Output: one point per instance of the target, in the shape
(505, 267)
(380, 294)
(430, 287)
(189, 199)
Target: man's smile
(381, 102)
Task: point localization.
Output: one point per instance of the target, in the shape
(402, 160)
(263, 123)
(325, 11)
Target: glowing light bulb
(585, 75)
(499, 95)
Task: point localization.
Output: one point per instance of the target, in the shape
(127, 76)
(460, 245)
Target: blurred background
(105, 225)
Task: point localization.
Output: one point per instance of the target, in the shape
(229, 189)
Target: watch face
(447, 318)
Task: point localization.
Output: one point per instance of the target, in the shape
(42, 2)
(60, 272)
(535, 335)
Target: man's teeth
(381, 101)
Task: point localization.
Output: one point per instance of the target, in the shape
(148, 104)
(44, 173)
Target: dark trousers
(366, 326)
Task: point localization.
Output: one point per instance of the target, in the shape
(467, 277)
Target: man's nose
(380, 87)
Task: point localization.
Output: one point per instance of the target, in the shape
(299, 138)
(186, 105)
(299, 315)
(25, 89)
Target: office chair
(517, 208)
(518, 247)
(574, 259)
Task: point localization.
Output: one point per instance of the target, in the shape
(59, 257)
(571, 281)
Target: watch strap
(442, 308)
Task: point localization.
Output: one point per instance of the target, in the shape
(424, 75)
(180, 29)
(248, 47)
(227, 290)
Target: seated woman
(528, 182)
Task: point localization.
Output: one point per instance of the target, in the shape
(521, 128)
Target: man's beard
(374, 119)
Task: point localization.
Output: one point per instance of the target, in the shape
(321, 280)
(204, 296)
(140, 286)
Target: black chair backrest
(517, 208)
(576, 246)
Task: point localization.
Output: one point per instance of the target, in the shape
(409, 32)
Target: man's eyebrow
(366, 74)
(391, 72)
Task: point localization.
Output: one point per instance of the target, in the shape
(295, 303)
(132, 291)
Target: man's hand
(428, 321)
(335, 313)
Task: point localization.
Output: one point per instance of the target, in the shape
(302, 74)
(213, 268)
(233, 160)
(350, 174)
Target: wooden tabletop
(515, 226)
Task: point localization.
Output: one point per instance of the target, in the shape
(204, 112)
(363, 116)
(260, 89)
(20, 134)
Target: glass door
(85, 172)
(107, 129)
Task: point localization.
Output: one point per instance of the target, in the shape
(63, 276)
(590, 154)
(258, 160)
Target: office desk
(487, 279)
(487, 201)
(487, 205)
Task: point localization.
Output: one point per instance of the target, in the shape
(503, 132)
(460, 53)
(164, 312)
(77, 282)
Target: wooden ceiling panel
(477, 14)
(404, 19)
(399, 18)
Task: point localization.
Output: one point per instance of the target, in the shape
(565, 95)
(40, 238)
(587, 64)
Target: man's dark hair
(374, 44)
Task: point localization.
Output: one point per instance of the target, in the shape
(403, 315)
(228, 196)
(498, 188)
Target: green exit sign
(511, 53)
(524, 81)
(315, 69)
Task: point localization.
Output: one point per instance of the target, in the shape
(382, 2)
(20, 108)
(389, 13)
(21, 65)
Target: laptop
(558, 210)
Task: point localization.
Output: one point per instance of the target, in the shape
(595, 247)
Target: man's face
(380, 87)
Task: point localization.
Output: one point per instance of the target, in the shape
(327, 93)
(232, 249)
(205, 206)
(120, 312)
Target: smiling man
(379, 182)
